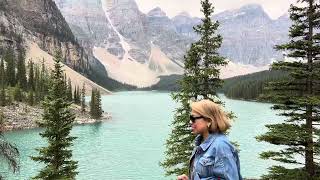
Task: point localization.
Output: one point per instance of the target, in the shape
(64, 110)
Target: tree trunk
(309, 146)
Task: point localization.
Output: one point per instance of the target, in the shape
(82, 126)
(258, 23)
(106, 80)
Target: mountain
(184, 24)
(41, 29)
(137, 48)
(249, 34)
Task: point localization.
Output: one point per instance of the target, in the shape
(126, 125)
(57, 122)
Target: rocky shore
(20, 116)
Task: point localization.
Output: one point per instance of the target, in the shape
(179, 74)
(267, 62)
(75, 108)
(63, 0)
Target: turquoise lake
(131, 144)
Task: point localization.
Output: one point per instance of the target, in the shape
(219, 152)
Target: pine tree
(98, 105)
(17, 93)
(57, 121)
(21, 70)
(2, 84)
(297, 99)
(75, 95)
(69, 90)
(10, 68)
(8, 152)
(31, 83)
(65, 82)
(200, 81)
(78, 95)
(83, 99)
(95, 104)
(31, 98)
(37, 83)
(3, 101)
(93, 110)
(44, 81)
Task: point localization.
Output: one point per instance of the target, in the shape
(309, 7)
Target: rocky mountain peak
(251, 7)
(157, 12)
(184, 14)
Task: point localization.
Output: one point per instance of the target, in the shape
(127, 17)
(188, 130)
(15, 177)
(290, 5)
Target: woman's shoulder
(222, 144)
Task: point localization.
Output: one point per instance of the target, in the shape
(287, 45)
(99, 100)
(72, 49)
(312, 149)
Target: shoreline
(21, 116)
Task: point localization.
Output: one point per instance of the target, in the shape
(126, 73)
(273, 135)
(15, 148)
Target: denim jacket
(214, 159)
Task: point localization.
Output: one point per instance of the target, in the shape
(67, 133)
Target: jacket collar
(206, 144)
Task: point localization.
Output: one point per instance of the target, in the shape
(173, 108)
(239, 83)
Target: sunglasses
(193, 119)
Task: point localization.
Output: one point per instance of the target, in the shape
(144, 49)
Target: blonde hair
(212, 113)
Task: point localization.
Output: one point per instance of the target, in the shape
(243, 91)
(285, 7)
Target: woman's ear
(209, 125)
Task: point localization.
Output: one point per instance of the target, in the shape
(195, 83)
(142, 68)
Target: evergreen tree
(2, 84)
(65, 82)
(31, 83)
(3, 101)
(93, 110)
(17, 93)
(78, 95)
(57, 121)
(43, 82)
(69, 90)
(83, 98)
(31, 98)
(75, 95)
(21, 70)
(98, 105)
(10, 70)
(200, 81)
(95, 104)
(297, 99)
(37, 82)
(8, 96)
(8, 152)
(250, 86)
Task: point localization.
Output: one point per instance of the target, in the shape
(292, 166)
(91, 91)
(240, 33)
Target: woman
(213, 157)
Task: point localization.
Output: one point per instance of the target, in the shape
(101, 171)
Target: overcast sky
(274, 8)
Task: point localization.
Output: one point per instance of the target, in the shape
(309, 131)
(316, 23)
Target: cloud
(274, 8)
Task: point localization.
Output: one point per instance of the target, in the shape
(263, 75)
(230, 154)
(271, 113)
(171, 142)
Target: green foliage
(8, 152)
(95, 104)
(2, 84)
(69, 90)
(31, 98)
(10, 68)
(21, 70)
(3, 99)
(76, 95)
(83, 99)
(166, 83)
(251, 86)
(279, 172)
(31, 84)
(17, 93)
(297, 99)
(200, 81)
(57, 121)
(42, 83)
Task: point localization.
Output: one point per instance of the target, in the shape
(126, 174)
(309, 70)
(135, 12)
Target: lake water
(131, 144)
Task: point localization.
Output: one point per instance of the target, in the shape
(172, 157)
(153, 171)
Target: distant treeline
(251, 86)
(166, 83)
(247, 87)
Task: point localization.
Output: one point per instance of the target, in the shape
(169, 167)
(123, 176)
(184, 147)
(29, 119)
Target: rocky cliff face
(41, 22)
